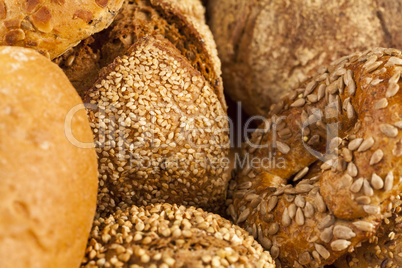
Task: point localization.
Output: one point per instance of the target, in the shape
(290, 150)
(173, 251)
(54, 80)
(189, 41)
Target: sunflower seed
(254, 231)
(326, 222)
(393, 61)
(372, 209)
(313, 98)
(250, 197)
(285, 134)
(305, 258)
(389, 181)
(273, 229)
(265, 242)
(321, 91)
(310, 88)
(381, 104)
(301, 174)
(316, 256)
(398, 124)
(333, 87)
(339, 245)
(371, 66)
(368, 191)
(286, 220)
(354, 144)
(377, 182)
(366, 145)
(298, 103)
(243, 216)
(322, 251)
(231, 211)
(389, 130)
(282, 147)
(303, 188)
(363, 200)
(273, 201)
(326, 235)
(392, 90)
(395, 78)
(350, 111)
(274, 252)
(364, 226)
(299, 217)
(352, 169)
(276, 108)
(309, 210)
(376, 157)
(347, 154)
(350, 83)
(292, 210)
(255, 202)
(376, 81)
(320, 203)
(357, 185)
(343, 232)
(245, 185)
(300, 201)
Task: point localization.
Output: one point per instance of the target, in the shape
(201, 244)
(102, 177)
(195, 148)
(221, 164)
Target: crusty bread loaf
(269, 47)
(322, 169)
(48, 183)
(160, 131)
(181, 22)
(53, 26)
(165, 235)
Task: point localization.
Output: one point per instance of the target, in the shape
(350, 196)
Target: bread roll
(269, 47)
(161, 132)
(165, 235)
(54, 26)
(181, 22)
(48, 183)
(322, 169)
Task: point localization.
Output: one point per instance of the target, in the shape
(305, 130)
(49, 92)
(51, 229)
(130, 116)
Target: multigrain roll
(165, 235)
(160, 130)
(52, 27)
(345, 121)
(384, 249)
(269, 47)
(48, 181)
(181, 22)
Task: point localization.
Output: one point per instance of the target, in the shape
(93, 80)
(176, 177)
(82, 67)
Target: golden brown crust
(308, 217)
(52, 27)
(171, 140)
(269, 47)
(48, 184)
(181, 22)
(165, 235)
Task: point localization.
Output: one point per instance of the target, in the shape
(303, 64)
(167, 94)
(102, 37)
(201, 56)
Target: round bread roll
(382, 250)
(181, 22)
(54, 26)
(269, 47)
(48, 183)
(160, 130)
(165, 235)
(322, 169)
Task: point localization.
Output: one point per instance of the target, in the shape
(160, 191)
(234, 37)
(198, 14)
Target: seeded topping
(42, 20)
(330, 194)
(164, 235)
(160, 132)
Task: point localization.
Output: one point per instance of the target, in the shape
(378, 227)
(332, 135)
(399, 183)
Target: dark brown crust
(368, 107)
(150, 18)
